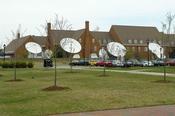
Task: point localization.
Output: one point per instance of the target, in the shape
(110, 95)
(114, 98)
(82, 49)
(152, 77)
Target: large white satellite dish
(70, 45)
(93, 56)
(33, 47)
(103, 54)
(156, 49)
(116, 49)
(76, 56)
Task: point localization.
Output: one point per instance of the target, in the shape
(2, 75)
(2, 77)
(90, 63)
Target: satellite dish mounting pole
(15, 67)
(55, 79)
(163, 53)
(71, 56)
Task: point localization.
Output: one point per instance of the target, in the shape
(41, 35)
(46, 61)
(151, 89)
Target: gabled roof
(57, 35)
(16, 43)
(136, 32)
(102, 36)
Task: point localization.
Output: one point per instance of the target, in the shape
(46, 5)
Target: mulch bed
(56, 88)
(17, 80)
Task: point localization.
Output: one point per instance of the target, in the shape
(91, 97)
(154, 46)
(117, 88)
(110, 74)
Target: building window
(172, 43)
(130, 41)
(104, 41)
(79, 40)
(141, 41)
(133, 48)
(93, 40)
(160, 42)
(135, 41)
(146, 49)
(95, 48)
(139, 49)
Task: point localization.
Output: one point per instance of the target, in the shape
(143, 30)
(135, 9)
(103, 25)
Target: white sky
(103, 13)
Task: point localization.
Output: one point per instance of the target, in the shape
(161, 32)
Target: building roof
(57, 35)
(16, 43)
(136, 33)
(104, 37)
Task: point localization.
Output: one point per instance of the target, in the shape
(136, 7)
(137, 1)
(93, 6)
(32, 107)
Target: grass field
(89, 91)
(160, 69)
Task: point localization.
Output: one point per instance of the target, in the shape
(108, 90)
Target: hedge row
(18, 65)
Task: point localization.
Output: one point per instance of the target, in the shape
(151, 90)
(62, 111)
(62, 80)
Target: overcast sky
(103, 13)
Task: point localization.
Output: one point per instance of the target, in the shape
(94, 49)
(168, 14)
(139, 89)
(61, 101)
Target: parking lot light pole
(148, 50)
(4, 51)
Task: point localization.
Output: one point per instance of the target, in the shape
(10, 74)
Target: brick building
(134, 38)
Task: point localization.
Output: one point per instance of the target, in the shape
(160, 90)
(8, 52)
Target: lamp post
(4, 51)
(148, 51)
(164, 55)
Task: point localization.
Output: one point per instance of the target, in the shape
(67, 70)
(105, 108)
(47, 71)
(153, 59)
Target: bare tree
(97, 28)
(61, 23)
(169, 18)
(58, 24)
(14, 34)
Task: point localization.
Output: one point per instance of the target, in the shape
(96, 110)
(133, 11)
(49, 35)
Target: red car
(170, 62)
(102, 63)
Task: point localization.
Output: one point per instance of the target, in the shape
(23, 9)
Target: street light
(148, 51)
(4, 51)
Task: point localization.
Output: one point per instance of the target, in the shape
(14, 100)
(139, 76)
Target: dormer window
(135, 41)
(130, 41)
(141, 41)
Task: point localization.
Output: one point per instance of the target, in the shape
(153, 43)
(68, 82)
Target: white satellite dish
(76, 56)
(47, 54)
(70, 45)
(93, 55)
(156, 49)
(33, 47)
(116, 49)
(103, 54)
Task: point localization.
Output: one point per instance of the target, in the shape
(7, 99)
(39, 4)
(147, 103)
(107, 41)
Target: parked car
(134, 62)
(104, 63)
(83, 63)
(74, 62)
(117, 63)
(146, 63)
(170, 62)
(158, 62)
(93, 62)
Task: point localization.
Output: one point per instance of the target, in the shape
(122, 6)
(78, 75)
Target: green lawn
(89, 91)
(169, 69)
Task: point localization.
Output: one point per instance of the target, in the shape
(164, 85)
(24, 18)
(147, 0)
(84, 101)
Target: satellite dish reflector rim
(33, 47)
(70, 45)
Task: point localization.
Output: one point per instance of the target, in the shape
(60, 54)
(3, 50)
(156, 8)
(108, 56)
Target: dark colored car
(170, 62)
(83, 63)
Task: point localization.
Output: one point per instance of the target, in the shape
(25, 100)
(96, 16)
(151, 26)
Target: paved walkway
(168, 110)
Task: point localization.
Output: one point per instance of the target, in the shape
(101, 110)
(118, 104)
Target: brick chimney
(87, 25)
(49, 42)
(18, 35)
(48, 28)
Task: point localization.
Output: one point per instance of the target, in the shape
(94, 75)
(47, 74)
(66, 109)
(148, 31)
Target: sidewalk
(167, 110)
